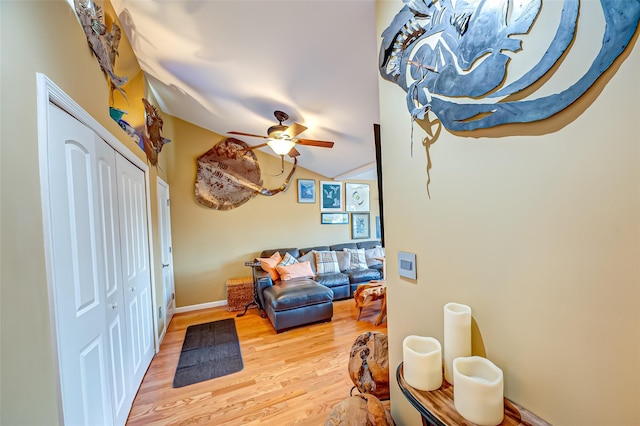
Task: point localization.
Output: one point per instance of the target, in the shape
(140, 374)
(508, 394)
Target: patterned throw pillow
(358, 258)
(326, 262)
(288, 260)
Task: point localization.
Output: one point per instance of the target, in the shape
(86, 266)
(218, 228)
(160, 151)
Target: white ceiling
(228, 65)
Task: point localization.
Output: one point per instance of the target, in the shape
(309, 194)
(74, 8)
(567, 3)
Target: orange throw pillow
(268, 264)
(295, 270)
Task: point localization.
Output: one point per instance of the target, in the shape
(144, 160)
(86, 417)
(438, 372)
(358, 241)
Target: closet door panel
(111, 280)
(78, 294)
(136, 270)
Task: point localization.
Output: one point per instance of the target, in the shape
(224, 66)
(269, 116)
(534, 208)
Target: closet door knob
(165, 265)
(114, 306)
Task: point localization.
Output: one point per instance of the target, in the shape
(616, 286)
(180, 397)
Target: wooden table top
(437, 406)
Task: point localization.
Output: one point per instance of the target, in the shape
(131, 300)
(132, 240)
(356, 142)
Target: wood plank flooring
(295, 377)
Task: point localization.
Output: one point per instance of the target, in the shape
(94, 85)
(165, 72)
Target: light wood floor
(295, 377)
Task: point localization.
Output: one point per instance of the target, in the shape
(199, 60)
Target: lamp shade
(281, 146)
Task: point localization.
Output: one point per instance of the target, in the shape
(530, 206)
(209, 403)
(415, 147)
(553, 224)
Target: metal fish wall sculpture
(152, 136)
(453, 57)
(104, 43)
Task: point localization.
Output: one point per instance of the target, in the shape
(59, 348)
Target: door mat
(209, 350)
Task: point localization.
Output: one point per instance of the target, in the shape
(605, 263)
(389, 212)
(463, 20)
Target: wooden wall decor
(229, 175)
(102, 41)
(453, 58)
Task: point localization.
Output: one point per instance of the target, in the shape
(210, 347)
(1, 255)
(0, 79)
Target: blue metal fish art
(453, 57)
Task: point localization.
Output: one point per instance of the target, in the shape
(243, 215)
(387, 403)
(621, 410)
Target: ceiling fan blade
(293, 153)
(312, 142)
(248, 134)
(251, 148)
(293, 130)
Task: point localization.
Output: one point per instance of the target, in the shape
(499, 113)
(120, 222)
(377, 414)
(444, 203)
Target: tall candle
(457, 335)
(422, 362)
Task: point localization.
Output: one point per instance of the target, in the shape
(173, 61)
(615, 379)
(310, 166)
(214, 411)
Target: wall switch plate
(407, 265)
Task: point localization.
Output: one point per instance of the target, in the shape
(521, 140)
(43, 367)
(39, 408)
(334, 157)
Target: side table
(437, 408)
(256, 300)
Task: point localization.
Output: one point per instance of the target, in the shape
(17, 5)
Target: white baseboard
(201, 306)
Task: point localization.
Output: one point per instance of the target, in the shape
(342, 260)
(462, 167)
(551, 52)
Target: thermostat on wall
(407, 265)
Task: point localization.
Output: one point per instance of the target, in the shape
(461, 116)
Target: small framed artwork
(334, 218)
(360, 226)
(306, 190)
(356, 197)
(330, 196)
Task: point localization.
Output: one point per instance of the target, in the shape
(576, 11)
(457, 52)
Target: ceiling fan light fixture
(281, 146)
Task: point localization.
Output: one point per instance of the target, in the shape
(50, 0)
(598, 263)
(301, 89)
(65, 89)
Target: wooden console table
(437, 408)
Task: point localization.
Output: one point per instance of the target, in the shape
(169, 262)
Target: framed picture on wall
(334, 218)
(356, 197)
(330, 196)
(306, 191)
(360, 227)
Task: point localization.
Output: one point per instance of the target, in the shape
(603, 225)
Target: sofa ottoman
(295, 302)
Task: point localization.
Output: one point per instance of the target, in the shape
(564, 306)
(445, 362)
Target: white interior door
(122, 392)
(135, 266)
(80, 290)
(164, 218)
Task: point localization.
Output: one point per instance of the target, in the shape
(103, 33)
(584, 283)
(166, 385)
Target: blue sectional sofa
(306, 300)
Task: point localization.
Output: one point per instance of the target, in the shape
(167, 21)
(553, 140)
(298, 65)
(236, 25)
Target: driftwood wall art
(229, 175)
(102, 41)
(152, 135)
(452, 57)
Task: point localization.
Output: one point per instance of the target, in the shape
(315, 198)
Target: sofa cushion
(306, 250)
(341, 247)
(369, 244)
(326, 262)
(295, 270)
(332, 280)
(268, 264)
(293, 251)
(363, 275)
(296, 293)
(358, 259)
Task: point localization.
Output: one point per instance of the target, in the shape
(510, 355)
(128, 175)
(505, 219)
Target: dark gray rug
(209, 350)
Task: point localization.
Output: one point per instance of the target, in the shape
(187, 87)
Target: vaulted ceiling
(228, 65)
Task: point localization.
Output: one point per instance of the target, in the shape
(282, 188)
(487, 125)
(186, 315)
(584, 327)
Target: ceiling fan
(282, 139)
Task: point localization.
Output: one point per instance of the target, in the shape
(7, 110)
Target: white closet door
(135, 264)
(79, 257)
(111, 279)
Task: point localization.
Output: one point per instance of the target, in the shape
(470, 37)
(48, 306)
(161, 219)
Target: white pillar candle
(478, 394)
(457, 336)
(422, 362)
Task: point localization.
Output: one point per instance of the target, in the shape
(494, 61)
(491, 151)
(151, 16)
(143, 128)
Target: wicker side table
(239, 293)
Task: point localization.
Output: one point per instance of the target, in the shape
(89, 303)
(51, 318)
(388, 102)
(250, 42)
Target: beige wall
(210, 246)
(539, 234)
